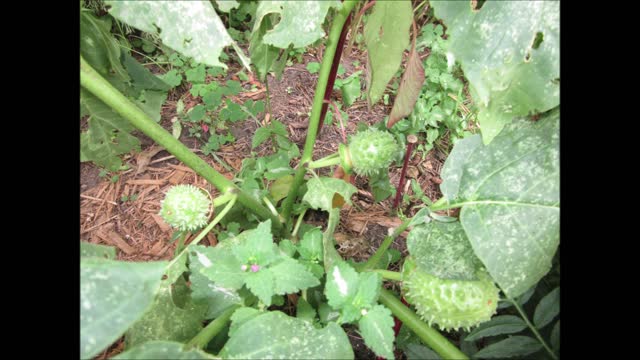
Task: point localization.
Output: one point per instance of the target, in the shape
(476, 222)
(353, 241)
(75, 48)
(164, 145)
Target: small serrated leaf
(376, 327)
(342, 285)
(262, 285)
(547, 308)
(290, 277)
(510, 347)
(503, 324)
(320, 192)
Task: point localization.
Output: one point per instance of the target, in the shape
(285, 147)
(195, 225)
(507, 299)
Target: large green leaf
(98, 47)
(108, 134)
(496, 47)
(509, 191)
(262, 55)
(113, 295)
(443, 250)
(386, 35)
(165, 321)
(300, 21)
(190, 27)
(275, 335)
(96, 250)
(163, 350)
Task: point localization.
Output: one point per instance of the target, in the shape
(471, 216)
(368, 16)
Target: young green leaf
(197, 113)
(350, 88)
(305, 311)
(510, 347)
(261, 135)
(555, 337)
(280, 187)
(386, 35)
(310, 247)
(322, 191)
(190, 27)
(96, 250)
(313, 67)
(275, 335)
(342, 285)
(376, 327)
(164, 350)
(547, 308)
(503, 324)
(291, 276)
(113, 295)
(510, 218)
(172, 77)
(196, 74)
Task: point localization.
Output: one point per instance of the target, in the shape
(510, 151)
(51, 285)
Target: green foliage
(322, 192)
(163, 350)
(96, 250)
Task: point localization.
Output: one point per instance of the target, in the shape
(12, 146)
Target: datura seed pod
(450, 303)
(186, 207)
(369, 151)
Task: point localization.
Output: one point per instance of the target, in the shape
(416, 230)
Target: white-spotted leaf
(376, 327)
(163, 350)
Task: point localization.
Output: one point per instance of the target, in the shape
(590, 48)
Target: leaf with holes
(151, 102)
(410, 87)
(386, 35)
(108, 134)
(141, 77)
(510, 198)
(191, 27)
(98, 47)
(163, 350)
(321, 191)
(275, 335)
(294, 29)
(113, 295)
(509, 52)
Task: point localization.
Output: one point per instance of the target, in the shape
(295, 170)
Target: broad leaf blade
(376, 328)
(190, 27)
(96, 250)
(453, 167)
(509, 193)
(165, 321)
(547, 308)
(342, 285)
(386, 35)
(113, 295)
(420, 352)
(275, 335)
(320, 192)
(98, 47)
(493, 45)
(510, 347)
(163, 350)
(503, 324)
(409, 89)
(291, 277)
(443, 250)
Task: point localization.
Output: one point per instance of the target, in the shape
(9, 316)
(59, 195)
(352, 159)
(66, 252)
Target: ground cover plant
(251, 261)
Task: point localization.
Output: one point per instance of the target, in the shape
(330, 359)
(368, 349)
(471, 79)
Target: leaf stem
(389, 275)
(314, 120)
(330, 160)
(294, 234)
(533, 328)
(429, 336)
(212, 329)
(101, 88)
(375, 258)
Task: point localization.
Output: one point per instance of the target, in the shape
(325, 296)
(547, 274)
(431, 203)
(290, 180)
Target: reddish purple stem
(400, 188)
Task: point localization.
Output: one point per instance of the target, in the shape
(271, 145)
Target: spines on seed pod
(448, 303)
(186, 207)
(369, 151)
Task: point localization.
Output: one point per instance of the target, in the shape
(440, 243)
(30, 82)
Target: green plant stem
(212, 329)
(180, 245)
(427, 334)
(533, 328)
(314, 120)
(294, 233)
(389, 275)
(375, 258)
(333, 159)
(101, 88)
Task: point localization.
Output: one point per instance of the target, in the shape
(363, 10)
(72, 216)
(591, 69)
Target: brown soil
(139, 234)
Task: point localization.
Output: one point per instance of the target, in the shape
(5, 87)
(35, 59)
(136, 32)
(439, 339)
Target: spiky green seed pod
(448, 303)
(370, 151)
(185, 207)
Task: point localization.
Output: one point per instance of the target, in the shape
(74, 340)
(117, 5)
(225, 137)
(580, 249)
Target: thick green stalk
(210, 331)
(314, 120)
(101, 88)
(389, 275)
(429, 336)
